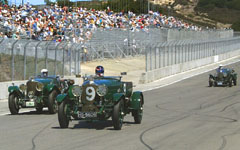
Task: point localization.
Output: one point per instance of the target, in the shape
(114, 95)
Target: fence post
(25, 61)
(155, 61)
(151, 58)
(79, 62)
(13, 58)
(55, 61)
(36, 57)
(146, 60)
(63, 60)
(70, 65)
(46, 56)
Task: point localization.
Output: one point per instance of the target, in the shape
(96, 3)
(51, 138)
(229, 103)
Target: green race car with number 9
(100, 98)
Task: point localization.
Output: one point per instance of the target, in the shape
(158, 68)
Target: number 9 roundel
(90, 93)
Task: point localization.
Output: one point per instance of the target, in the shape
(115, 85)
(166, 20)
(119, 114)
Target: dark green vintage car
(100, 98)
(38, 92)
(223, 77)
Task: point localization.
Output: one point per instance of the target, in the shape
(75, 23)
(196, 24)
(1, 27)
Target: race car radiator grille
(220, 76)
(31, 86)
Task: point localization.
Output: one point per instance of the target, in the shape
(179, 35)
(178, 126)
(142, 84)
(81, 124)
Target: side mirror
(78, 76)
(123, 73)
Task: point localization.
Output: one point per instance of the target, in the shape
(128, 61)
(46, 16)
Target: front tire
(63, 118)
(137, 114)
(39, 109)
(13, 104)
(210, 82)
(235, 82)
(118, 115)
(52, 103)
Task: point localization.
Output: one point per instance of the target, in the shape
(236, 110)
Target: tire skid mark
(200, 114)
(228, 106)
(230, 97)
(38, 133)
(160, 125)
(224, 140)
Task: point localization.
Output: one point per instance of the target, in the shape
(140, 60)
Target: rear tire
(13, 104)
(230, 82)
(62, 115)
(52, 103)
(117, 116)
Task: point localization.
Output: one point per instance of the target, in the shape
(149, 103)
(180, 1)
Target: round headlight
(77, 90)
(102, 90)
(23, 87)
(39, 87)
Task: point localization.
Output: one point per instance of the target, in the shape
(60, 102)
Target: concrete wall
(153, 75)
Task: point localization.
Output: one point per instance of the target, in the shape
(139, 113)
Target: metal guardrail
(170, 53)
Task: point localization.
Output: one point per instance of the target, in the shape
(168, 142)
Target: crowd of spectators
(76, 24)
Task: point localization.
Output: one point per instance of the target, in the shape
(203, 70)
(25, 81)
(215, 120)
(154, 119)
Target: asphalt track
(187, 115)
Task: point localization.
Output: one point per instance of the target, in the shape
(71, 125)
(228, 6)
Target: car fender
(60, 98)
(14, 89)
(211, 76)
(135, 100)
(234, 76)
(117, 97)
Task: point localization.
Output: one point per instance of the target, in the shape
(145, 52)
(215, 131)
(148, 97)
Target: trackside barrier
(175, 57)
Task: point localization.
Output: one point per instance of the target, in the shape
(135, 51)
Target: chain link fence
(21, 59)
(170, 53)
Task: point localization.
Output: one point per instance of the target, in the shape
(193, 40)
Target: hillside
(213, 13)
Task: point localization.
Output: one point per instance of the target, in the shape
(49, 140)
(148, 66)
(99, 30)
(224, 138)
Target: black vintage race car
(223, 77)
(37, 93)
(100, 98)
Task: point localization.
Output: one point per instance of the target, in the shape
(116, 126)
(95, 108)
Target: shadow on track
(97, 125)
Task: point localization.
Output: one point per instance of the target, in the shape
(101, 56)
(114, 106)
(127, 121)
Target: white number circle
(90, 92)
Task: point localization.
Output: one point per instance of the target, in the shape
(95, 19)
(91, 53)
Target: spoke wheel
(118, 115)
(13, 104)
(63, 118)
(52, 103)
(138, 114)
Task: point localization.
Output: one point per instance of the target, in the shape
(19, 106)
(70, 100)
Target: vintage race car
(100, 98)
(37, 93)
(223, 77)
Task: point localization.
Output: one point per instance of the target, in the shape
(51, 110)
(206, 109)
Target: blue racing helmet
(99, 71)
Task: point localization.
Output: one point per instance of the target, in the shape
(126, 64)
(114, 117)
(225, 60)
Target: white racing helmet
(44, 72)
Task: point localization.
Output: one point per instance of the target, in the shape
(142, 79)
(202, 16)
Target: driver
(220, 68)
(44, 72)
(99, 71)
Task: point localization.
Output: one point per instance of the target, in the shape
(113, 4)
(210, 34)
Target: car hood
(43, 80)
(107, 82)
